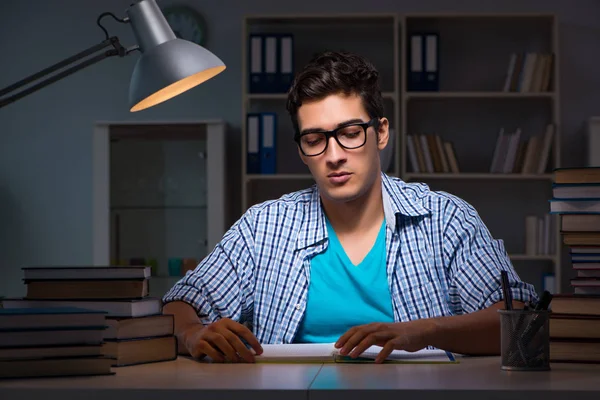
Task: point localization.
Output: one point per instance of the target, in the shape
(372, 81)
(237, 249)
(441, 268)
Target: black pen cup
(525, 340)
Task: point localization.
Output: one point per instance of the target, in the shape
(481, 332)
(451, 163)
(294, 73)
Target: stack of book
(137, 332)
(575, 318)
(43, 342)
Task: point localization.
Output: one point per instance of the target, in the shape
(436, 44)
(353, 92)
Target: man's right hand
(221, 341)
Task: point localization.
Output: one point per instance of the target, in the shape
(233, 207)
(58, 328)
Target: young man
(360, 258)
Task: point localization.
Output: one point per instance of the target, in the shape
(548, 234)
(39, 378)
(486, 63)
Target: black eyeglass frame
(374, 122)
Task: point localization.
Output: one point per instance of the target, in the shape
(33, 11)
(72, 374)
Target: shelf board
(526, 257)
(483, 175)
(283, 96)
(478, 95)
(122, 208)
(277, 176)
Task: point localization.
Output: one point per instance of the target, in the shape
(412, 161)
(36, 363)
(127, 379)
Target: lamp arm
(117, 50)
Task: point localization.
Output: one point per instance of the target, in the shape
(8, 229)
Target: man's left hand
(410, 336)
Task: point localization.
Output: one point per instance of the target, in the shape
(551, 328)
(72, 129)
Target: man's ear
(383, 133)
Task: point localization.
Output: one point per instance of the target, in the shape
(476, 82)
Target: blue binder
(271, 64)
(253, 143)
(432, 57)
(415, 58)
(423, 62)
(286, 62)
(268, 143)
(256, 63)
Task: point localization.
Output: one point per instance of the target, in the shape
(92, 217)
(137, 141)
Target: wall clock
(186, 23)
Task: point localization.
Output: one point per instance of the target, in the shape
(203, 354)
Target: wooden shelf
(537, 257)
(283, 96)
(480, 176)
(160, 207)
(256, 177)
(479, 95)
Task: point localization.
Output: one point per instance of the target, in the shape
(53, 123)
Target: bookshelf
(374, 35)
(468, 109)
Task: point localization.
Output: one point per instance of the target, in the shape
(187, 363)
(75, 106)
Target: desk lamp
(167, 67)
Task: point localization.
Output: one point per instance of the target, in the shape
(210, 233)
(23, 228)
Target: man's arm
(211, 303)
(219, 340)
(477, 333)
(185, 318)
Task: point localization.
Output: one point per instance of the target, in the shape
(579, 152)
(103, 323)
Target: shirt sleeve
(474, 260)
(221, 284)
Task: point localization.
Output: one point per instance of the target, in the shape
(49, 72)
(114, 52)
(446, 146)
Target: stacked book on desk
(137, 332)
(575, 318)
(576, 199)
(62, 341)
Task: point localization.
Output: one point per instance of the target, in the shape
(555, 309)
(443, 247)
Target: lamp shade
(168, 66)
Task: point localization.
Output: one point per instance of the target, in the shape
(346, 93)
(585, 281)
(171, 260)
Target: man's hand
(221, 341)
(409, 336)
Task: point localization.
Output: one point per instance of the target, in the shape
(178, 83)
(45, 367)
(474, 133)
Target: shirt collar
(398, 199)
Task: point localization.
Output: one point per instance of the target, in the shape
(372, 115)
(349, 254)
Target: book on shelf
(529, 72)
(514, 153)
(539, 237)
(327, 353)
(429, 153)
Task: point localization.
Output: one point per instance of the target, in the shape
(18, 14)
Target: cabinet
(159, 194)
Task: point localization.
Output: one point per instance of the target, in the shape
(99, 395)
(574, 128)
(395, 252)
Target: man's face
(342, 175)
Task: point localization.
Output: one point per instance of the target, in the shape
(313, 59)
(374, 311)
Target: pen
(538, 320)
(506, 291)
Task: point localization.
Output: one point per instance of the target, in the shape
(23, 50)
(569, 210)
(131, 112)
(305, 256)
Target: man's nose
(334, 152)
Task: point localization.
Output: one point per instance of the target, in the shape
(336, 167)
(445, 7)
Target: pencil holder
(525, 340)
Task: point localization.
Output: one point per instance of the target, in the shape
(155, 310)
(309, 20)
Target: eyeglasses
(351, 136)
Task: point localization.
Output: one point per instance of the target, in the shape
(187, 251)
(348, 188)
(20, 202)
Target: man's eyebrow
(348, 122)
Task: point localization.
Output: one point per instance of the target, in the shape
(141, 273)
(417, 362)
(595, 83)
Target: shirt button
(298, 306)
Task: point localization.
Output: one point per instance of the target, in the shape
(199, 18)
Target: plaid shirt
(441, 260)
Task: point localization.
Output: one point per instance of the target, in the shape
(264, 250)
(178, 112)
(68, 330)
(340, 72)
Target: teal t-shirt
(342, 295)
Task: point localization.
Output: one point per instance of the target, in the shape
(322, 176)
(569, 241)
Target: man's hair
(331, 73)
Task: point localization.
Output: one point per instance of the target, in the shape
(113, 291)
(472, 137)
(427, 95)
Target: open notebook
(327, 353)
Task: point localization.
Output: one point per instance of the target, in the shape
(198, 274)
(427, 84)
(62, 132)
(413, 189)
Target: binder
(255, 64)
(253, 123)
(415, 59)
(286, 62)
(431, 52)
(268, 130)
(270, 61)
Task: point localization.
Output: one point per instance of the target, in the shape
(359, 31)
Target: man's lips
(335, 174)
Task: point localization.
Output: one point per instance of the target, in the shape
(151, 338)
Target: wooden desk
(473, 378)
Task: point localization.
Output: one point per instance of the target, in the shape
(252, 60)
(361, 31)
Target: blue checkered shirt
(441, 261)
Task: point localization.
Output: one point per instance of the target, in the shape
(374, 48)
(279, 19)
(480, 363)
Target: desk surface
(185, 378)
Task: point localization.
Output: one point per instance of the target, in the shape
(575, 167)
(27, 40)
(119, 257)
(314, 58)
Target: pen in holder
(525, 340)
